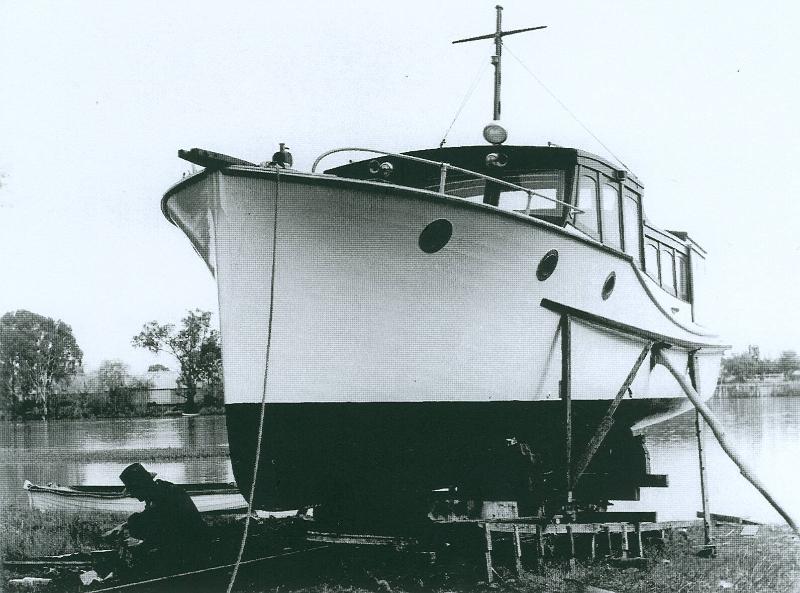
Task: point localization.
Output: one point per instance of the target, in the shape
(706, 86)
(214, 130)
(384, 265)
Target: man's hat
(135, 475)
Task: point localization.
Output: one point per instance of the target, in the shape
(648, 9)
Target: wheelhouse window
(632, 226)
(667, 270)
(545, 187)
(682, 276)
(651, 261)
(587, 202)
(610, 216)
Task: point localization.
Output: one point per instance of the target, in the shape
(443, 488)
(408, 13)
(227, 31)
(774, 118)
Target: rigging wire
(563, 106)
(464, 101)
(263, 391)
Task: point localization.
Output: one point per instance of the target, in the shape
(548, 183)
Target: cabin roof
(520, 159)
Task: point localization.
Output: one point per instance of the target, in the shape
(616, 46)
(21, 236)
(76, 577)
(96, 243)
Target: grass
(768, 562)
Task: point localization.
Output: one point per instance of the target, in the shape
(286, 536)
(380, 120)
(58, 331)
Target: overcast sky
(96, 98)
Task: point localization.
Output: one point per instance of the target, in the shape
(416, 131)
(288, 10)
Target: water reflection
(61, 451)
(765, 431)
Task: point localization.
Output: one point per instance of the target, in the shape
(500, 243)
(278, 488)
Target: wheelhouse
(606, 202)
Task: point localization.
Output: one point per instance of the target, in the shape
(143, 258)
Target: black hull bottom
(332, 454)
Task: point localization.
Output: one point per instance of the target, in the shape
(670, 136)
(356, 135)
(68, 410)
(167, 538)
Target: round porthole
(548, 265)
(436, 235)
(608, 285)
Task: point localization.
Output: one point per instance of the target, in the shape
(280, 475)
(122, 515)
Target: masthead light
(494, 133)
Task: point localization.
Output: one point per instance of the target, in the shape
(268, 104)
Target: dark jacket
(169, 521)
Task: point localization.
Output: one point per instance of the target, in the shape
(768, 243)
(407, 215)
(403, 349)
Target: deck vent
(608, 285)
(436, 235)
(547, 266)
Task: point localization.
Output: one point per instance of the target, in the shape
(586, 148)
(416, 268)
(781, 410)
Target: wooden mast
(498, 53)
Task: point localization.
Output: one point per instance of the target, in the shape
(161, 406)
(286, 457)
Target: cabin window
(545, 185)
(683, 276)
(667, 270)
(587, 201)
(610, 216)
(651, 261)
(632, 226)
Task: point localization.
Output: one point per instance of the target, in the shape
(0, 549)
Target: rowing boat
(208, 497)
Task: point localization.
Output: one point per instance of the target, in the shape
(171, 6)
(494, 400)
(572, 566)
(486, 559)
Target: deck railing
(444, 168)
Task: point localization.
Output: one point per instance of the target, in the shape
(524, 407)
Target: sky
(698, 99)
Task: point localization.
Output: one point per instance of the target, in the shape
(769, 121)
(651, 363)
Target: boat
(207, 497)
(482, 320)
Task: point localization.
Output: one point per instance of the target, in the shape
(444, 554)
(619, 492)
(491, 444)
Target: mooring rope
(205, 570)
(564, 107)
(263, 391)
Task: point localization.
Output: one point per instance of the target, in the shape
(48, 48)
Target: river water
(765, 430)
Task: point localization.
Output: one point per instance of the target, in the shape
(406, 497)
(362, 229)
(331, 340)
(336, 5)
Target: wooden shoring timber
(719, 432)
(566, 396)
(608, 419)
(571, 530)
(585, 528)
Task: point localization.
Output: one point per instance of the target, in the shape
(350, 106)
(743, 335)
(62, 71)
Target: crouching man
(171, 528)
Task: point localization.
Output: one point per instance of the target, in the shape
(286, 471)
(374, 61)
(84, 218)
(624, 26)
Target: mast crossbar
(498, 49)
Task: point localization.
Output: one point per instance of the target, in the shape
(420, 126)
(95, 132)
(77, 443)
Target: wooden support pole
(571, 537)
(566, 396)
(625, 545)
(639, 545)
(701, 454)
(719, 433)
(539, 546)
(608, 419)
(593, 549)
(489, 569)
(517, 551)
(608, 541)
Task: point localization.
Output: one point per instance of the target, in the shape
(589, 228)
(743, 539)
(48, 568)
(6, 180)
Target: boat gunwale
(72, 492)
(383, 187)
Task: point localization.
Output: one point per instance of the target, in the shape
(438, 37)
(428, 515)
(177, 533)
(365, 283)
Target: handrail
(443, 174)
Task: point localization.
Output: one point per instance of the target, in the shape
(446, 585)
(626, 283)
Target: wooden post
(566, 396)
(517, 551)
(539, 546)
(701, 454)
(608, 541)
(571, 547)
(489, 569)
(639, 545)
(719, 433)
(593, 549)
(625, 541)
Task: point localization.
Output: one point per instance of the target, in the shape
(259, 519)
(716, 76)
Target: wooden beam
(624, 328)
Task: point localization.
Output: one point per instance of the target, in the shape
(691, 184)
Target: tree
(155, 368)
(113, 374)
(196, 347)
(37, 354)
(788, 363)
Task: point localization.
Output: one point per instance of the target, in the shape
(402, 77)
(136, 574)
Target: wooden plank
(719, 518)
(654, 481)
(621, 517)
(488, 539)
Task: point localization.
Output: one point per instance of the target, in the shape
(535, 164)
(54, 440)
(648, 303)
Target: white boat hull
(327, 302)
